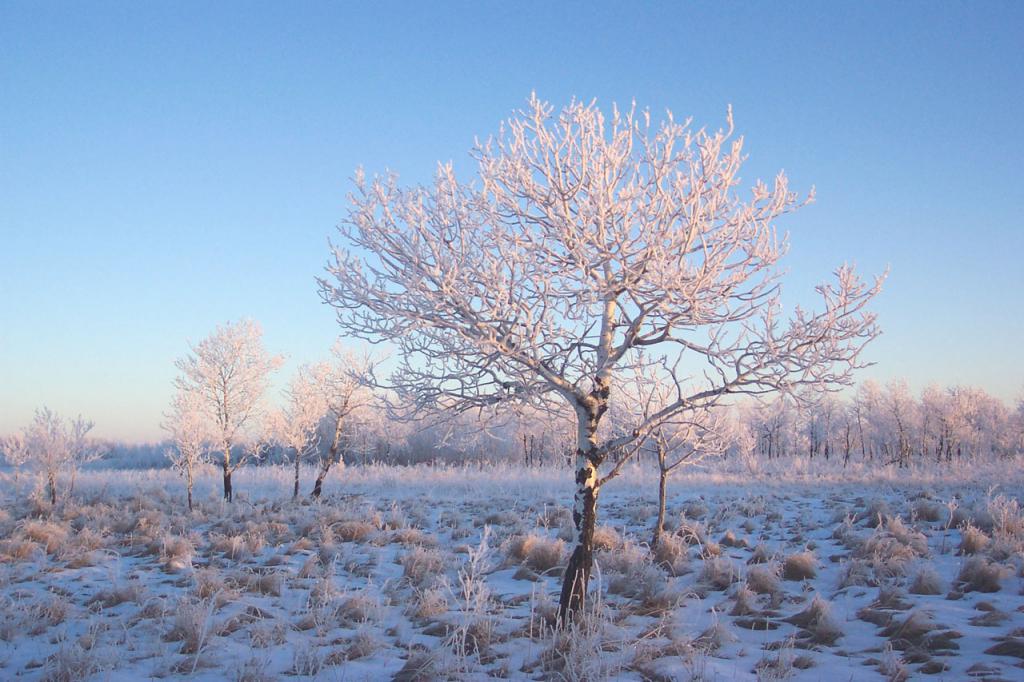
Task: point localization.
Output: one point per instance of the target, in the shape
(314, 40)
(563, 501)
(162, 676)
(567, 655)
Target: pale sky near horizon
(165, 167)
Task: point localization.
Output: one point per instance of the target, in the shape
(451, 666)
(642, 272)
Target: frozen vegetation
(798, 570)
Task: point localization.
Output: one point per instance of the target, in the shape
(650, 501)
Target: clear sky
(165, 167)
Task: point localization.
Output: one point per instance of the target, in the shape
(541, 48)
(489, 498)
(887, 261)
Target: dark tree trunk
(659, 525)
(227, 474)
(52, 485)
(295, 490)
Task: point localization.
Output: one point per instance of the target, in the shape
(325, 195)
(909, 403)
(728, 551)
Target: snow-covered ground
(425, 573)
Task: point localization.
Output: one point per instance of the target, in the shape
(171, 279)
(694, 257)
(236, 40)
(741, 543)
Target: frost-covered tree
(189, 429)
(295, 425)
(52, 445)
(340, 384)
(584, 240)
(228, 373)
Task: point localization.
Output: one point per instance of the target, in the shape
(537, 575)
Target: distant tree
(584, 241)
(340, 384)
(51, 445)
(295, 425)
(189, 428)
(228, 373)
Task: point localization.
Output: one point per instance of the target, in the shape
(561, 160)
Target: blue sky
(165, 167)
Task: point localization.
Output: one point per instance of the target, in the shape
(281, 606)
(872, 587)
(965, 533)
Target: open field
(436, 573)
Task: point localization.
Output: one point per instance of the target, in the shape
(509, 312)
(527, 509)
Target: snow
(412, 572)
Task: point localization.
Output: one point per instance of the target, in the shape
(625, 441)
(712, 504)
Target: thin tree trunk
(659, 525)
(325, 464)
(52, 483)
(227, 473)
(188, 483)
(295, 491)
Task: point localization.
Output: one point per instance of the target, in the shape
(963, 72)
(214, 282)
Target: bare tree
(228, 372)
(189, 429)
(341, 385)
(295, 426)
(51, 445)
(584, 241)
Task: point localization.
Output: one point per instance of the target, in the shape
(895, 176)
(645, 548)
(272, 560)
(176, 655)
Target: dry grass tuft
(979, 575)
(538, 552)
(800, 566)
(354, 531)
(764, 579)
(972, 540)
(49, 534)
(719, 573)
(918, 631)
(671, 554)
(817, 621)
(420, 565)
(927, 581)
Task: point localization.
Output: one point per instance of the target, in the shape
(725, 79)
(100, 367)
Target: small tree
(341, 385)
(227, 372)
(295, 426)
(189, 429)
(585, 241)
(51, 445)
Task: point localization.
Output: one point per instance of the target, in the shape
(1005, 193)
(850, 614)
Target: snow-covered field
(440, 573)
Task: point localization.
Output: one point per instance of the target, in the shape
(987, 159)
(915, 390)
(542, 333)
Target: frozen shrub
(606, 538)
(919, 632)
(71, 663)
(192, 625)
(306, 660)
(176, 553)
(428, 604)
(264, 583)
(362, 645)
(979, 575)
(764, 579)
(719, 573)
(817, 621)
(358, 608)
(745, 604)
(926, 510)
(714, 638)
(875, 514)
(412, 536)
(49, 534)
(420, 565)
(208, 582)
(761, 554)
(801, 566)
(354, 531)
(972, 540)
(538, 552)
(730, 540)
(671, 554)
(927, 581)
(115, 595)
(626, 560)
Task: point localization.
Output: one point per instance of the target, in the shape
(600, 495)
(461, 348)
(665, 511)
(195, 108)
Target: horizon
(163, 175)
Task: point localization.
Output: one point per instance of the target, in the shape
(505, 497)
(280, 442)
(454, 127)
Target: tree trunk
(188, 483)
(227, 473)
(295, 490)
(325, 464)
(584, 513)
(52, 484)
(659, 525)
